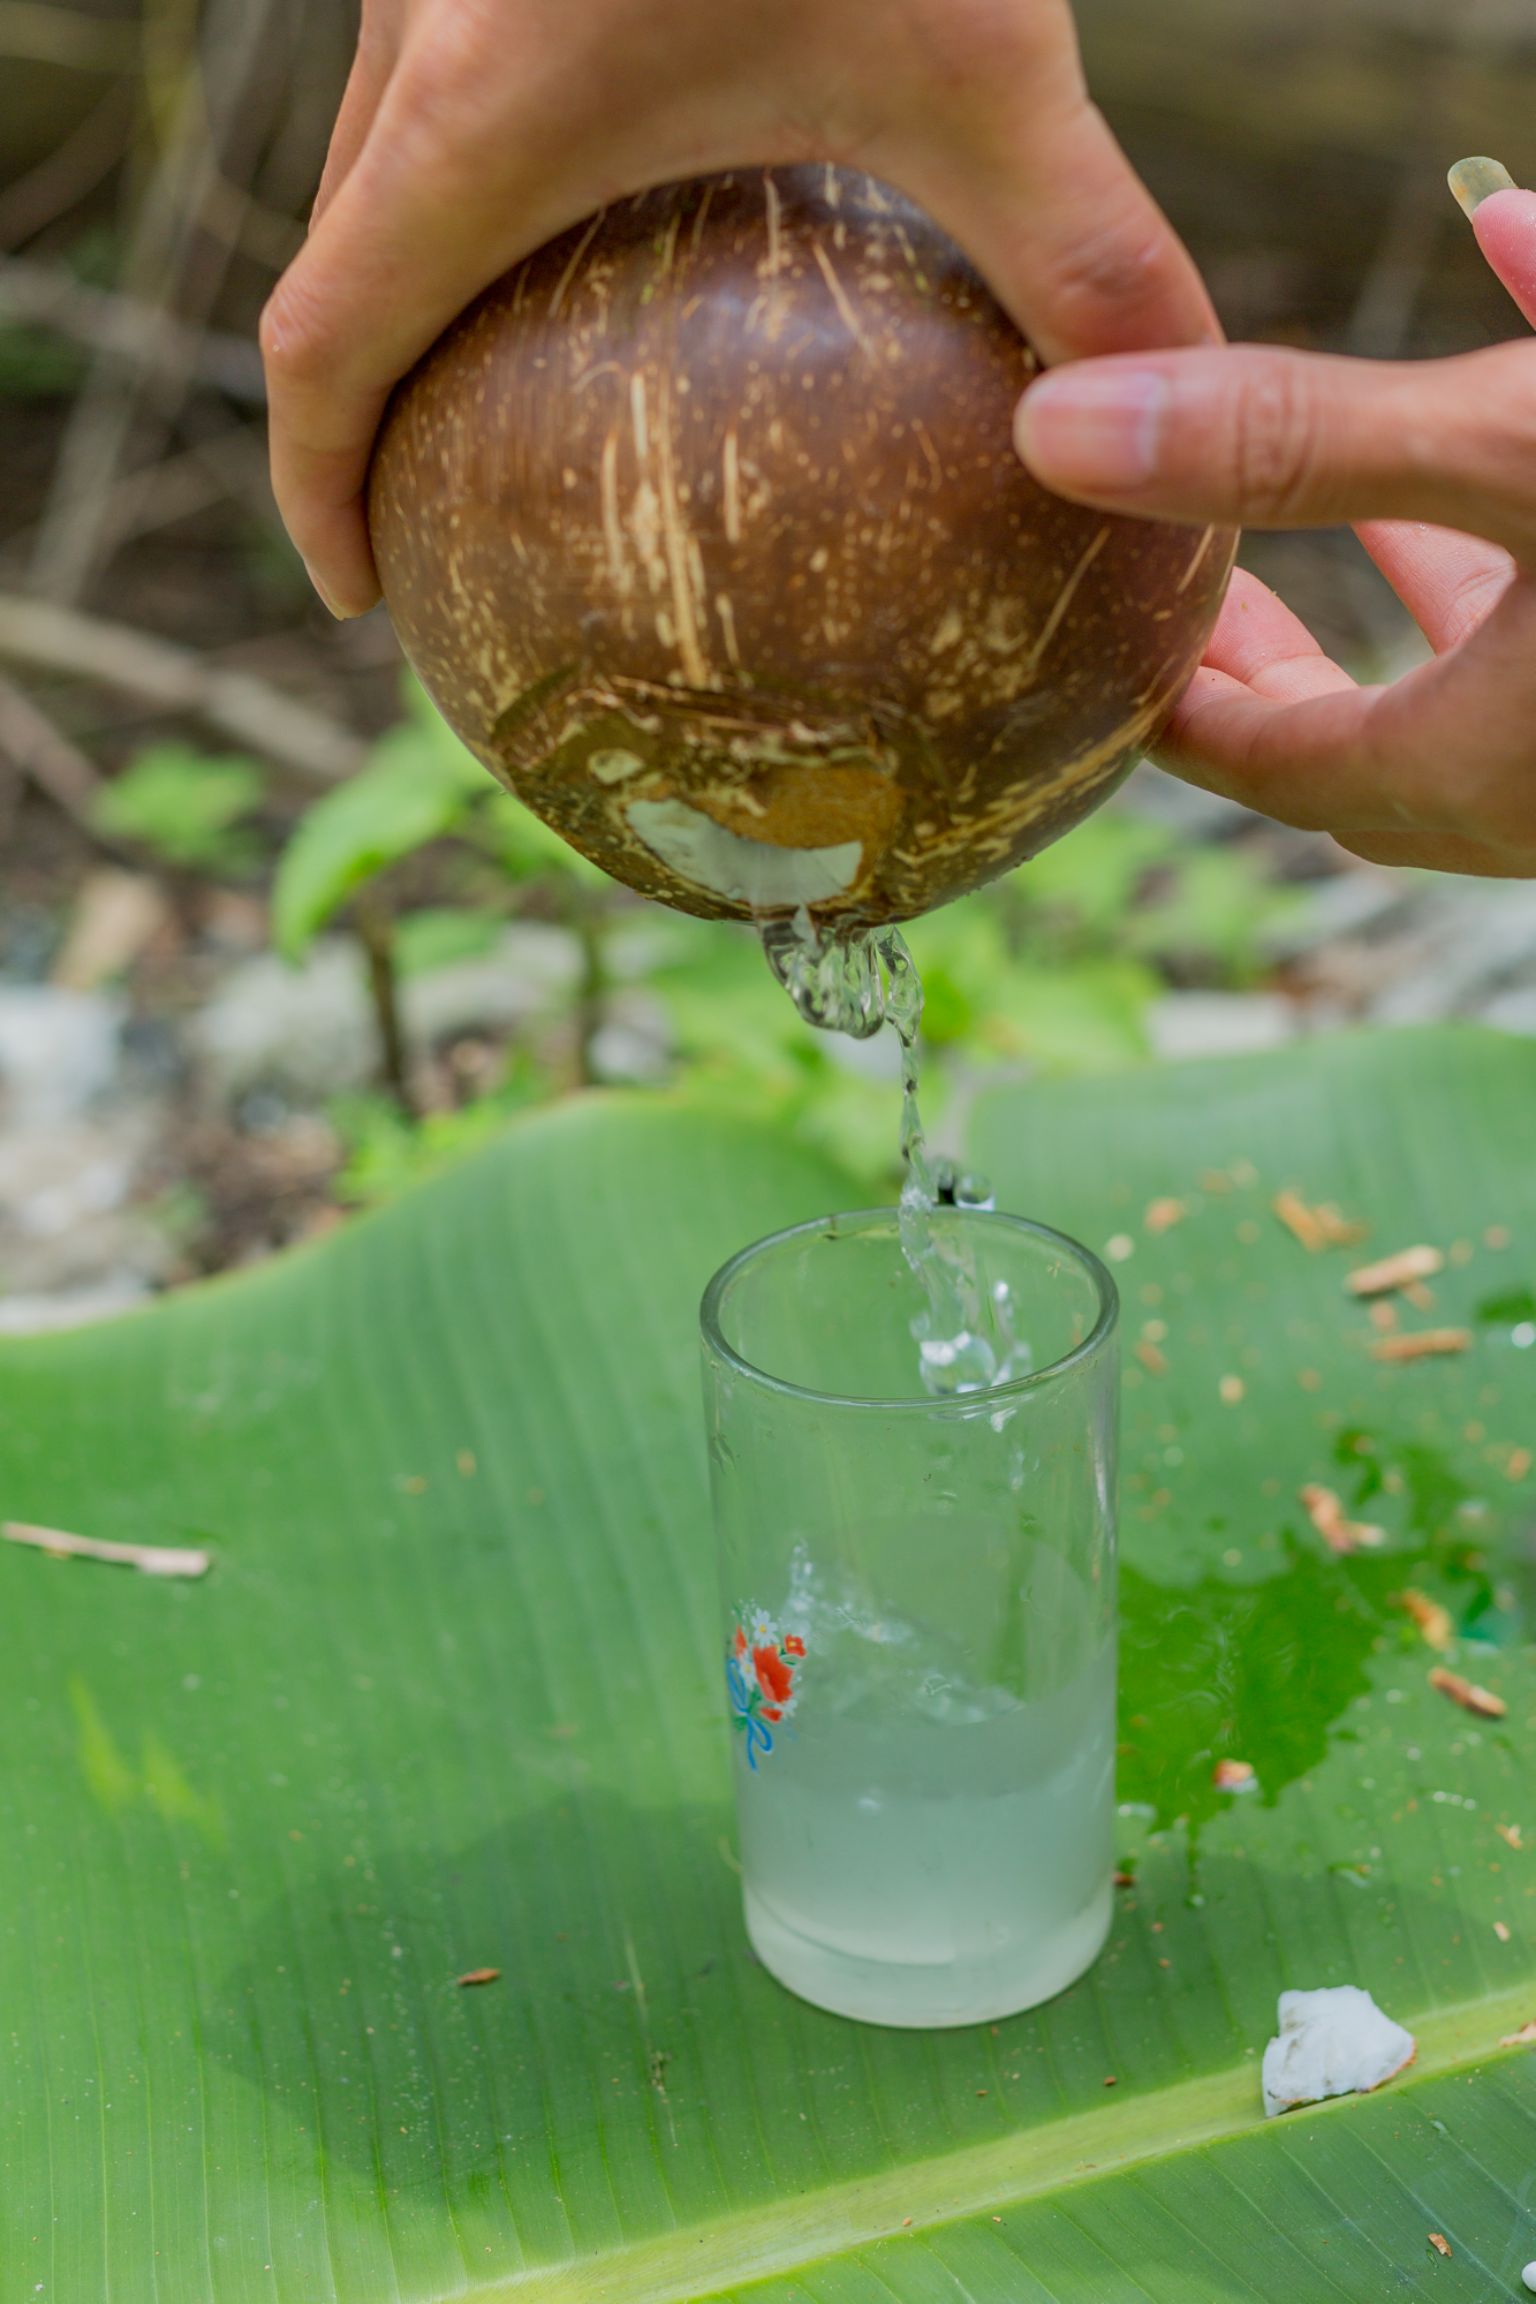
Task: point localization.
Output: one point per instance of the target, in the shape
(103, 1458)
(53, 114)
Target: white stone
(72, 1307)
(59, 1052)
(1334, 2042)
(311, 1031)
(1185, 1024)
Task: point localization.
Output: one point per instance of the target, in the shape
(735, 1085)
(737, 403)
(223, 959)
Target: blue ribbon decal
(759, 1737)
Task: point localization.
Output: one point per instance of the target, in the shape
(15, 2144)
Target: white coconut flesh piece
(751, 872)
(1334, 2042)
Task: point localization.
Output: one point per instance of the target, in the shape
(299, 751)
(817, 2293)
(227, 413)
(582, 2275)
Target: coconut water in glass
(918, 1616)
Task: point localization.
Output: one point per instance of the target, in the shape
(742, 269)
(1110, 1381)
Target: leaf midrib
(1083, 2148)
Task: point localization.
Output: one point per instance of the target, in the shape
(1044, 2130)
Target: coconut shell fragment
(704, 529)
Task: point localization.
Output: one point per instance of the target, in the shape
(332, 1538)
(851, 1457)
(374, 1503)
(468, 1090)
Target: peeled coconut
(704, 530)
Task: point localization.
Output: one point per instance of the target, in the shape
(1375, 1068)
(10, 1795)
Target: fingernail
(340, 614)
(1474, 181)
(1094, 429)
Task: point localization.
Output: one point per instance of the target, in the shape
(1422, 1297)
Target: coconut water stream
(855, 983)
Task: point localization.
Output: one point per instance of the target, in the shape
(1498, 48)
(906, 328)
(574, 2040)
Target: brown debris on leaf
(1333, 1524)
(478, 1976)
(149, 1559)
(1316, 1228)
(1468, 1695)
(1422, 1344)
(1433, 1621)
(1524, 2038)
(1510, 1834)
(1393, 1272)
(1438, 2240)
(1234, 1776)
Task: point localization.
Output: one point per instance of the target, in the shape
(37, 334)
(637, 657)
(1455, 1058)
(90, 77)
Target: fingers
(1070, 240)
(1506, 232)
(377, 47)
(1447, 582)
(1273, 439)
(1439, 768)
(1264, 645)
(431, 209)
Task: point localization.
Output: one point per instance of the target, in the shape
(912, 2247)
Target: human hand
(474, 130)
(1435, 464)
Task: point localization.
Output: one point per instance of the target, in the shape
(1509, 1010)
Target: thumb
(1262, 438)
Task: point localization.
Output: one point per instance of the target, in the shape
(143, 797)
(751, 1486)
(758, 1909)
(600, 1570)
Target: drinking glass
(919, 1614)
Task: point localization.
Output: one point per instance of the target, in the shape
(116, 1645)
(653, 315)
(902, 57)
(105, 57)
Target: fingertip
(342, 571)
(1093, 429)
(1505, 224)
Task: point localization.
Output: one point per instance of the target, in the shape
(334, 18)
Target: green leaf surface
(448, 1700)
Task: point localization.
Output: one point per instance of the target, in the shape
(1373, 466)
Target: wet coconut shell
(704, 529)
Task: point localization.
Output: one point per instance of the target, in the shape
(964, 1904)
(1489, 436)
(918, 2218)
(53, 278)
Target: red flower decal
(774, 1676)
(760, 1667)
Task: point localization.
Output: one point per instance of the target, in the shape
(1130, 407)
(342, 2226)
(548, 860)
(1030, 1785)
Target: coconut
(704, 529)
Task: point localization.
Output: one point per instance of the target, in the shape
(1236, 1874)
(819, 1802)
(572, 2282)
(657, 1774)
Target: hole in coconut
(751, 872)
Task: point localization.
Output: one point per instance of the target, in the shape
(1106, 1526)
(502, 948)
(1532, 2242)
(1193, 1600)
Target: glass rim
(925, 1404)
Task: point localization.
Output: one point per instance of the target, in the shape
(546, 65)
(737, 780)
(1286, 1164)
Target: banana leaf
(448, 1701)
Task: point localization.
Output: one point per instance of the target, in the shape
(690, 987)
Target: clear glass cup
(919, 1602)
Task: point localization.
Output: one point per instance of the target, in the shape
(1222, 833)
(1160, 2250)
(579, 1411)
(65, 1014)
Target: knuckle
(449, 78)
(1113, 268)
(1275, 445)
(297, 343)
(979, 42)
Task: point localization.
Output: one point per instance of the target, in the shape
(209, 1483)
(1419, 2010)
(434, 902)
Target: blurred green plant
(1053, 970)
(36, 365)
(192, 809)
(420, 786)
(387, 1151)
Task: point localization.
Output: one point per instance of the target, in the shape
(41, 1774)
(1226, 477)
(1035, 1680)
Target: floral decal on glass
(760, 1667)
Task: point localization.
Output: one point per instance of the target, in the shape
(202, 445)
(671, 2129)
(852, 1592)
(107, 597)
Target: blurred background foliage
(324, 952)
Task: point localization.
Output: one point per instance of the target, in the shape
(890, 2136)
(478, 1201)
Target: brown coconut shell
(704, 529)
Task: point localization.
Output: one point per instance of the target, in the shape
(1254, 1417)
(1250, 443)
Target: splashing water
(854, 983)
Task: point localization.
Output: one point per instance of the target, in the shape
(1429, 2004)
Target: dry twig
(1316, 1228)
(1333, 1524)
(249, 711)
(1422, 1344)
(212, 122)
(1400, 1271)
(74, 167)
(45, 755)
(1467, 1694)
(1433, 1621)
(149, 1559)
(40, 296)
